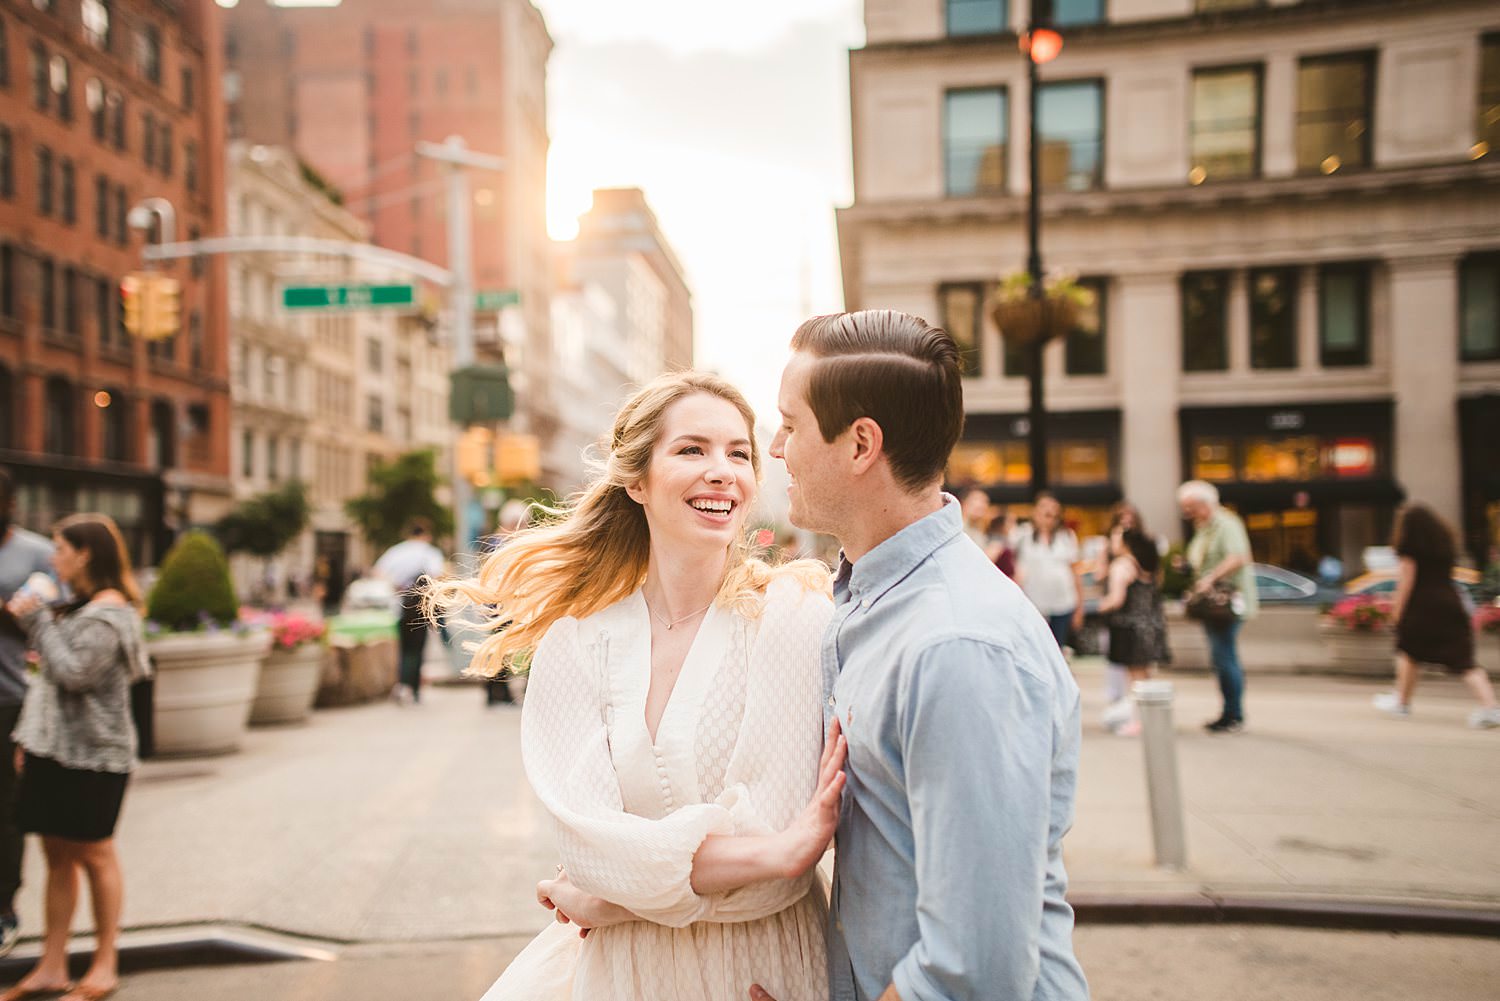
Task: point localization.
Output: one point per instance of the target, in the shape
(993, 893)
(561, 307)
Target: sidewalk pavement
(384, 823)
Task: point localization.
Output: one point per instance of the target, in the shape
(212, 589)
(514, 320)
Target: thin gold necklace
(674, 622)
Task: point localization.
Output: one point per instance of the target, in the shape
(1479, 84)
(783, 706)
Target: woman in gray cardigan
(78, 745)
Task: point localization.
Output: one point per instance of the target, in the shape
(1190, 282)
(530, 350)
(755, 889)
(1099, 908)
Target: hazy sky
(734, 120)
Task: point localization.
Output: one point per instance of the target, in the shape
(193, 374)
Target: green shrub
(1177, 576)
(194, 589)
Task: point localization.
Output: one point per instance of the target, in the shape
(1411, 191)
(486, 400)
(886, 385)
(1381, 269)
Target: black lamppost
(1040, 44)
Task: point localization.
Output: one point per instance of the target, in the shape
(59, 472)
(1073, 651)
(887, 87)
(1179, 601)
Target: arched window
(60, 418)
(114, 423)
(161, 444)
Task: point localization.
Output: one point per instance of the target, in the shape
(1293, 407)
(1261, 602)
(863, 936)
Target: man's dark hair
(899, 371)
(418, 527)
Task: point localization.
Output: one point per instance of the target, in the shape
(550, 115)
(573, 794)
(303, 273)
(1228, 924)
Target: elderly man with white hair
(1220, 556)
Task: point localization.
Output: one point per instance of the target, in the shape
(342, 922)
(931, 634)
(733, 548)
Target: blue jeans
(1223, 649)
(1061, 625)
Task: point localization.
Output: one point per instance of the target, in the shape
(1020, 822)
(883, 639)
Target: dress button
(830, 702)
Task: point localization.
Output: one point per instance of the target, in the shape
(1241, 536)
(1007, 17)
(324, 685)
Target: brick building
(103, 105)
(353, 88)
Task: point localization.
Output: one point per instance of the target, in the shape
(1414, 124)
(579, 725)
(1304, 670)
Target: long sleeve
(977, 742)
(641, 864)
(774, 771)
(78, 654)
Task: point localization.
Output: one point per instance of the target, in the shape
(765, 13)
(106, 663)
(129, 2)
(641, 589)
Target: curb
(174, 948)
(1342, 915)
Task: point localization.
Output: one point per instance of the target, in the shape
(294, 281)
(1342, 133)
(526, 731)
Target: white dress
(736, 752)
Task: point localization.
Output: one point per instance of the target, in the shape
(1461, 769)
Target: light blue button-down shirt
(963, 729)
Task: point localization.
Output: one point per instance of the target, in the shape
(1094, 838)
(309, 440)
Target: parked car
(1279, 586)
(1383, 583)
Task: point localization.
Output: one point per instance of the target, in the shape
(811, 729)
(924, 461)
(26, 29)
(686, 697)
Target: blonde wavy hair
(594, 550)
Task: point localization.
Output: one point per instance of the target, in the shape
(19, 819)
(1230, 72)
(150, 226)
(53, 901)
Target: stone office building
(1290, 212)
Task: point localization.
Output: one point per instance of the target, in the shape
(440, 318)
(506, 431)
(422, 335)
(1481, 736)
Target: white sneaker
(1390, 703)
(1485, 719)
(1117, 714)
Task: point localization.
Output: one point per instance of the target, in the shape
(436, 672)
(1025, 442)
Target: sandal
(19, 993)
(85, 993)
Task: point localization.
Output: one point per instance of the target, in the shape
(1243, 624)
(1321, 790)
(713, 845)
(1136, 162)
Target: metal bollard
(1153, 701)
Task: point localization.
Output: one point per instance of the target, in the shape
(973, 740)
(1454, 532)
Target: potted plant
(1023, 317)
(1357, 635)
(207, 661)
(289, 678)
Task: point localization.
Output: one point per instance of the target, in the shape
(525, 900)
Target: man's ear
(869, 443)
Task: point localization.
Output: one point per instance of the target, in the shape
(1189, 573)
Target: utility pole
(459, 158)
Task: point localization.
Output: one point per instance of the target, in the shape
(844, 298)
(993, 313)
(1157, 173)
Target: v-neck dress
(736, 752)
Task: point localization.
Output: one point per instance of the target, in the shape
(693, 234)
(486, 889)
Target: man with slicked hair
(961, 718)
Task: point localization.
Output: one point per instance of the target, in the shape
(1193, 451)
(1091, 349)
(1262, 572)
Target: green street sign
(357, 295)
(496, 299)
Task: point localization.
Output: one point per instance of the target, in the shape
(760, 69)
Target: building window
(200, 262)
(96, 23)
(190, 166)
(148, 52)
(977, 17)
(41, 77)
(961, 305)
(68, 191)
(148, 138)
(1085, 351)
(1225, 124)
(101, 205)
(374, 355)
(116, 107)
(72, 292)
(247, 454)
(273, 460)
(44, 180)
(161, 443)
(93, 97)
(189, 95)
(4, 57)
(122, 235)
(8, 297)
(1335, 95)
(62, 86)
(1479, 304)
(1273, 318)
(1205, 341)
(104, 305)
(1487, 125)
(114, 421)
(195, 340)
(1070, 125)
(165, 158)
(1075, 12)
(7, 165)
(60, 423)
(974, 149)
(1344, 314)
(377, 415)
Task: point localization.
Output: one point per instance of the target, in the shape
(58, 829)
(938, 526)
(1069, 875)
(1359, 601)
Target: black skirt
(71, 803)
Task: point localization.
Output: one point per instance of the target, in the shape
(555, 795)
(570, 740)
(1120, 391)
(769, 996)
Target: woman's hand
(805, 841)
(582, 909)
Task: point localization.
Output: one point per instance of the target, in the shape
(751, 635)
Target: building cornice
(1468, 177)
(1309, 13)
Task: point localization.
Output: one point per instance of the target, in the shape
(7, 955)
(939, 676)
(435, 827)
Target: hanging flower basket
(1023, 318)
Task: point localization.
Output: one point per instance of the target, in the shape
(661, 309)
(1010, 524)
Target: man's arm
(976, 729)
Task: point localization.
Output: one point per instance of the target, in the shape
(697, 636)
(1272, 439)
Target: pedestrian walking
(515, 515)
(1432, 625)
(1046, 551)
(406, 565)
(1222, 596)
(673, 724)
(22, 554)
(1137, 627)
(78, 745)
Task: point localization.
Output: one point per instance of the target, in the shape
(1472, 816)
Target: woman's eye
(740, 454)
(691, 450)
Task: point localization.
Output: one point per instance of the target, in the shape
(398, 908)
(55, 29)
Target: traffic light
(518, 458)
(473, 454)
(166, 308)
(132, 291)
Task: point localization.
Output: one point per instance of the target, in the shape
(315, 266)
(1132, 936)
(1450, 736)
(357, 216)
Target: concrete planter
(288, 684)
(1361, 654)
(205, 683)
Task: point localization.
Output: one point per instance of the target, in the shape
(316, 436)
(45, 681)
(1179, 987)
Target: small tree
(267, 523)
(400, 491)
(194, 586)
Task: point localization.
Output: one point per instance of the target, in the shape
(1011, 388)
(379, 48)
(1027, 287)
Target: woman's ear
(636, 491)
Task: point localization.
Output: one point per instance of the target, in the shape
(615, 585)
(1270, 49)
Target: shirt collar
(883, 567)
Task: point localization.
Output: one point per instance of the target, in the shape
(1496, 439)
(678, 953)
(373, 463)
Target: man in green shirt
(1220, 555)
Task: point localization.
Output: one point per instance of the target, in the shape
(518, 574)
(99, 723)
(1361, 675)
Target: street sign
(345, 295)
(496, 299)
